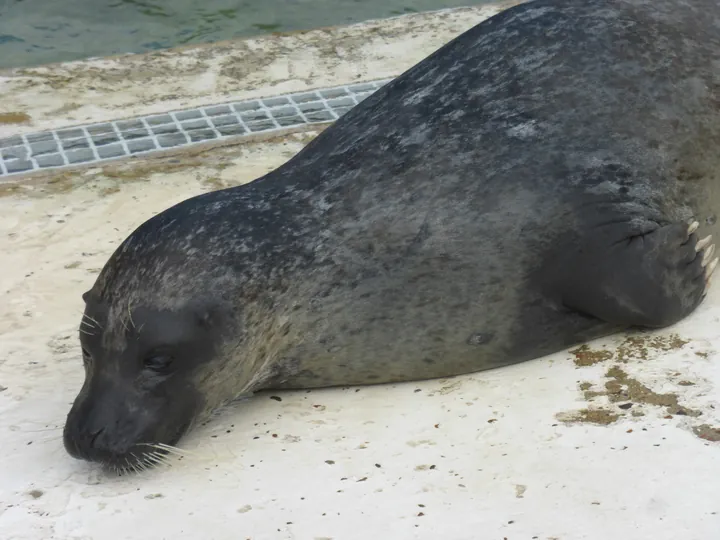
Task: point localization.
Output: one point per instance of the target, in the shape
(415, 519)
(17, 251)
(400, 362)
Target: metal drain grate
(112, 140)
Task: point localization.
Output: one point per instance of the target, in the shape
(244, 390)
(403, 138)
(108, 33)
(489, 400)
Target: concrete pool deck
(620, 437)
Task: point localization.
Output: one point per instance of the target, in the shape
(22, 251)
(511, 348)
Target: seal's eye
(159, 363)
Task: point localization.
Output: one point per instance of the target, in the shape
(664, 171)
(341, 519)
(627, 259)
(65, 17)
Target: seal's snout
(122, 427)
(83, 444)
(93, 435)
(139, 395)
(104, 424)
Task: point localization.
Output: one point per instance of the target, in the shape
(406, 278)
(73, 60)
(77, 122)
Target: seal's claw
(704, 242)
(708, 255)
(708, 274)
(693, 227)
(710, 269)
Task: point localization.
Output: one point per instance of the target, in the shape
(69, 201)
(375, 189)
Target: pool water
(34, 32)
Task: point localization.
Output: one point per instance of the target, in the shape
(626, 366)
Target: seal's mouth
(140, 458)
(136, 458)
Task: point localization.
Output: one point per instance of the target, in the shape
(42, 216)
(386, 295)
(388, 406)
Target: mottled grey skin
(525, 188)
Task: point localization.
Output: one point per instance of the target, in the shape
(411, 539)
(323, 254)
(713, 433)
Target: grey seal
(537, 182)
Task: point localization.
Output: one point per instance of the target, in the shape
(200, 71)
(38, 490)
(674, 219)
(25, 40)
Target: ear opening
(204, 318)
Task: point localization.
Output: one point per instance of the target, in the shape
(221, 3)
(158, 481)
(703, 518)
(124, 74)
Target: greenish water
(36, 32)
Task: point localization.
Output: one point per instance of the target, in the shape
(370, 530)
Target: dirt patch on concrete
(600, 417)
(623, 388)
(624, 396)
(585, 356)
(634, 347)
(641, 347)
(707, 432)
(14, 118)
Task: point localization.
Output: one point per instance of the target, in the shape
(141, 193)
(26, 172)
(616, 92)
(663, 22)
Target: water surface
(36, 32)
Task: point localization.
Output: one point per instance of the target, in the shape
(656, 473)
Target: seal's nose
(94, 430)
(85, 441)
(95, 436)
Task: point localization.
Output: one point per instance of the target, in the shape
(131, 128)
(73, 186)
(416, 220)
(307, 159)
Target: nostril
(95, 436)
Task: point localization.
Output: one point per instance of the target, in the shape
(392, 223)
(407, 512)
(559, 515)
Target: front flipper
(652, 280)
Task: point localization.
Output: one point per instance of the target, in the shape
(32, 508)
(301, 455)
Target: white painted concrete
(479, 457)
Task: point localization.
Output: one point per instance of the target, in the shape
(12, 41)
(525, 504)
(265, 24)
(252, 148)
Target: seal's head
(158, 345)
(141, 384)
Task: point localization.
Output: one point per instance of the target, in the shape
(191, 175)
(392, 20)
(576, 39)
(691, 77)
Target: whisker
(177, 451)
(154, 458)
(49, 439)
(83, 321)
(170, 449)
(86, 333)
(137, 465)
(130, 317)
(43, 430)
(93, 320)
(163, 460)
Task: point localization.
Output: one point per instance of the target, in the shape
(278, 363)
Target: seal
(537, 182)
